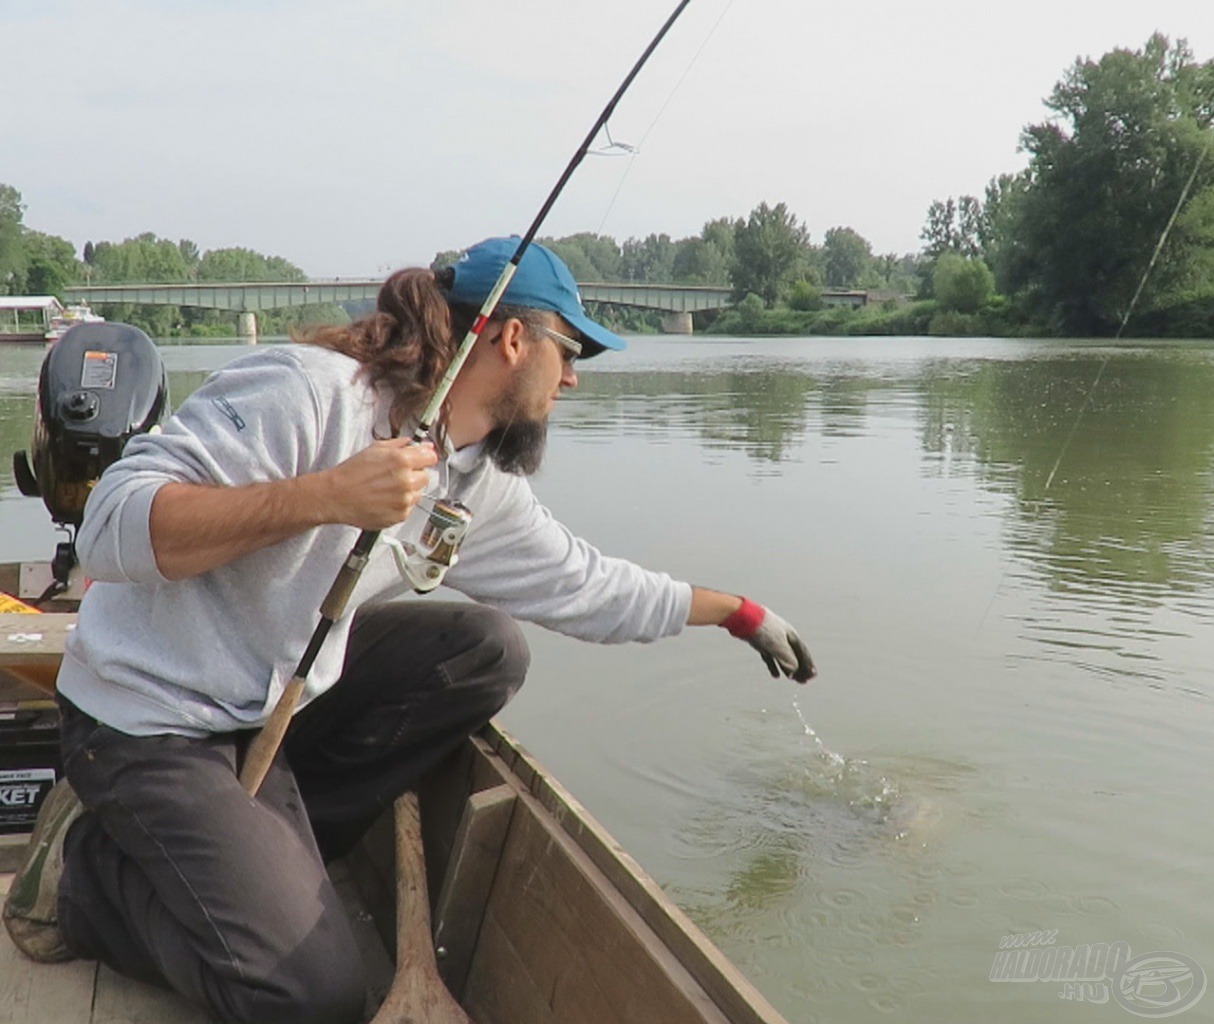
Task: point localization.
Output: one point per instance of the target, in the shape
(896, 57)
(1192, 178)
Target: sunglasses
(571, 347)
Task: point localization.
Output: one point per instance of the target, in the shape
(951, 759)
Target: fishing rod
(264, 747)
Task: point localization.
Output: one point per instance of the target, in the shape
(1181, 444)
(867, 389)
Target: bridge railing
(253, 297)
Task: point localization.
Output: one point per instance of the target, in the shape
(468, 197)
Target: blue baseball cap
(542, 281)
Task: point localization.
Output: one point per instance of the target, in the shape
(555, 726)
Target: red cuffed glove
(775, 640)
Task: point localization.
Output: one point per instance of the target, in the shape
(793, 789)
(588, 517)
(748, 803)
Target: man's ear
(511, 340)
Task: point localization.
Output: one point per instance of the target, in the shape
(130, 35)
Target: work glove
(775, 640)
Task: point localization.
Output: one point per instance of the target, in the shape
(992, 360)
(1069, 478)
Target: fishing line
(634, 151)
(1129, 312)
(1163, 238)
(1104, 363)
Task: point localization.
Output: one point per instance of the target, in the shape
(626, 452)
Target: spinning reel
(431, 547)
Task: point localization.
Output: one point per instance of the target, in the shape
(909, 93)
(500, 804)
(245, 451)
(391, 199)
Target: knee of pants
(501, 651)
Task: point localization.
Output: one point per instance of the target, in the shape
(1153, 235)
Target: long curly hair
(405, 345)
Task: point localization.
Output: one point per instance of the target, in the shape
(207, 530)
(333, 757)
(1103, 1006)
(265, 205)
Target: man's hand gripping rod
(264, 747)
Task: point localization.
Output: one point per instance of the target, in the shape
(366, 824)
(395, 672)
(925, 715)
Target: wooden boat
(533, 913)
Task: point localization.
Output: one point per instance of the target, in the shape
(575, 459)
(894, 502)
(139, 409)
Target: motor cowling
(100, 385)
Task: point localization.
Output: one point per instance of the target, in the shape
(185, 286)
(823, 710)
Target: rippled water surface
(1011, 730)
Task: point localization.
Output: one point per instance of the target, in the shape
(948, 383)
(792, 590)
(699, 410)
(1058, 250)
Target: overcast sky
(355, 137)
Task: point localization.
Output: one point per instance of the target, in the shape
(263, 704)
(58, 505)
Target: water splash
(867, 793)
(823, 752)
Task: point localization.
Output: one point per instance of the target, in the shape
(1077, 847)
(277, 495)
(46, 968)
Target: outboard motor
(101, 384)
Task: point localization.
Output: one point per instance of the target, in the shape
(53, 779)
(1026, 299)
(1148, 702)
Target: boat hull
(13, 338)
(537, 915)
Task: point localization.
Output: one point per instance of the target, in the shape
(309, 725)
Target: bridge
(675, 302)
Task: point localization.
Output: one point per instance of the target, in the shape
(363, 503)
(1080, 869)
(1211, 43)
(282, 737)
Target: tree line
(1109, 228)
(34, 263)
(1114, 210)
(768, 252)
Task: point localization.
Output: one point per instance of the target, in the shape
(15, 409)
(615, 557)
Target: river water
(1011, 728)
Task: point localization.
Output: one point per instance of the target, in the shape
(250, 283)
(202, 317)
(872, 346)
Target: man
(213, 542)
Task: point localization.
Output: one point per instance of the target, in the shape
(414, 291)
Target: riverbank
(999, 318)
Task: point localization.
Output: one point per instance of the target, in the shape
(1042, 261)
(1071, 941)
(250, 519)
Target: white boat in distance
(40, 318)
(69, 318)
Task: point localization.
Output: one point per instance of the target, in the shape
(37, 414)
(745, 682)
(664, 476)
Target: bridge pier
(676, 323)
(246, 328)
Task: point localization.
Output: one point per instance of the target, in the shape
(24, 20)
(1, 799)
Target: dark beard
(518, 447)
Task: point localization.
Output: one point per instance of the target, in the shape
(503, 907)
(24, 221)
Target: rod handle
(264, 747)
(334, 605)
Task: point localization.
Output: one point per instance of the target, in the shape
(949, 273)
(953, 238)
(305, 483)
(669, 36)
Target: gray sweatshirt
(213, 652)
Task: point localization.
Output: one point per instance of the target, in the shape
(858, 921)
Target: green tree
(961, 284)
(580, 266)
(12, 252)
(954, 225)
(707, 257)
(239, 264)
(804, 296)
(648, 260)
(589, 256)
(847, 256)
(190, 254)
(1105, 174)
(939, 233)
(1000, 210)
(51, 264)
(144, 259)
(770, 250)
(699, 262)
(721, 233)
(750, 312)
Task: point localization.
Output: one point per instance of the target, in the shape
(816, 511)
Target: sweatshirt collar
(466, 459)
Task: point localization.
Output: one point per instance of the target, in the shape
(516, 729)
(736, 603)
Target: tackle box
(29, 761)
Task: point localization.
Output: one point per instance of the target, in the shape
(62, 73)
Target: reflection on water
(1015, 695)
(1129, 507)
(763, 409)
(1122, 536)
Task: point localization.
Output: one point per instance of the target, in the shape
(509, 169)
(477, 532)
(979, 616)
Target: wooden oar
(417, 995)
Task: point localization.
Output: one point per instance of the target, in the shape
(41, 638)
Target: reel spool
(424, 560)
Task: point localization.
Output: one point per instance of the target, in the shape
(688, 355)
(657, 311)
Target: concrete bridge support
(676, 323)
(246, 328)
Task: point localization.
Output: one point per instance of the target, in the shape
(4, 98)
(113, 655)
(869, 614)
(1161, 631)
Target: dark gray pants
(177, 877)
